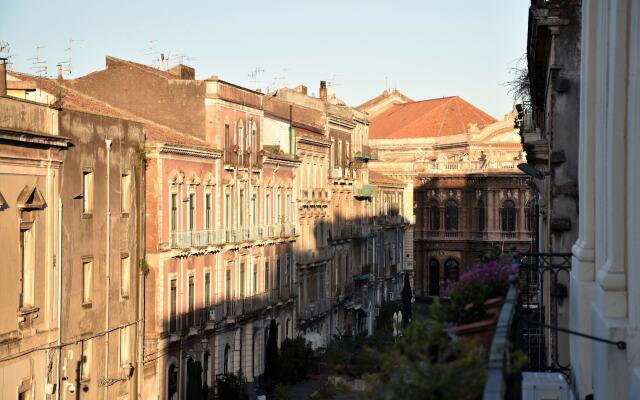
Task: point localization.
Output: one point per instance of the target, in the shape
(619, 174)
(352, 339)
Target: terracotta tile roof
(428, 118)
(364, 106)
(75, 100)
(114, 61)
(378, 178)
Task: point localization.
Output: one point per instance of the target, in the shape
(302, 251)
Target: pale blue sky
(424, 48)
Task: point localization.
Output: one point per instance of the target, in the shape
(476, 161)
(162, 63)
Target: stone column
(609, 317)
(582, 272)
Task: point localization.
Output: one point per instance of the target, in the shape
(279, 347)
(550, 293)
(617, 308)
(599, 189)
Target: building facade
(31, 155)
(462, 186)
(190, 224)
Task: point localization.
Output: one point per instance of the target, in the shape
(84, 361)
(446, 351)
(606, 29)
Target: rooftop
(428, 118)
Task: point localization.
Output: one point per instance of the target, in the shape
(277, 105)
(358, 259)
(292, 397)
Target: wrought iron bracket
(620, 344)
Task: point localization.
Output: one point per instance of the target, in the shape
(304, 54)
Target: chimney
(3, 76)
(59, 72)
(323, 90)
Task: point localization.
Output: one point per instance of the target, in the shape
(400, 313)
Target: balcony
(366, 154)
(314, 256)
(314, 309)
(364, 192)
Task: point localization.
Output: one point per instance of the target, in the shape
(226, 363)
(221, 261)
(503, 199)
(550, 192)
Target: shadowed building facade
(458, 165)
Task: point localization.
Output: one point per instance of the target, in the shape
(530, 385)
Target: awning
(362, 277)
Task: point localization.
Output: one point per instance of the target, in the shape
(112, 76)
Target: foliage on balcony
(364, 192)
(367, 154)
(468, 295)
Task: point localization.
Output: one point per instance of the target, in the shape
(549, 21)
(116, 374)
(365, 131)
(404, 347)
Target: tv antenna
(39, 66)
(5, 52)
(67, 64)
(151, 51)
(254, 74)
(280, 80)
(181, 58)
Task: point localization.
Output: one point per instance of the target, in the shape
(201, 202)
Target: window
(192, 211)
(434, 277)
(242, 208)
(173, 298)
(287, 271)
(87, 281)
(451, 270)
(228, 288)
(508, 216)
(451, 215)
(191, 298)
(266, 275)
(481, 215)
(434, 216)
(241, 279)
(172, 382)
(227, 143)
(254, 289)
(227, 360)
(339, 155)
(278, 273)
(86, 360)
(267, 209)
(174, 212)
(208, 214)
(227, 210)
(207, 289)
(124, 347)
(205, 369)
(87, 192)
(278, 207)
(27, 266)
(531, 215)
(288, 211)
(125, 192)
(125, 276)
(254, 211)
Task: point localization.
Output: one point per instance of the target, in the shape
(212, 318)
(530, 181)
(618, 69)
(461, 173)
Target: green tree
(427, 364)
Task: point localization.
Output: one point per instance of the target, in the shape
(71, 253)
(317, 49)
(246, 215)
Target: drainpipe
(141, 199)
(107, 143)
(59, 343)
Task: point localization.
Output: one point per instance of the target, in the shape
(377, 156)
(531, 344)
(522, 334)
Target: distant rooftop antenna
(151, 51)
(280, 80)
(39, 66)
(164, 61)
(253, 76)
(5, 52)
(183, 59)
(67, 64)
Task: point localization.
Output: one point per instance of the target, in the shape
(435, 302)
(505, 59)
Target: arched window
(451, 215)
(434, 215)
(434, 277)
(508, 216)
(481, 215)
(227, 360)
(451, 270)
(172, 382)
(531, 215)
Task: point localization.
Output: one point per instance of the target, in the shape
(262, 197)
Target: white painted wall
(276, 132)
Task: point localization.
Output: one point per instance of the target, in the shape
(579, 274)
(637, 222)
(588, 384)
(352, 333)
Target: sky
(424, 48)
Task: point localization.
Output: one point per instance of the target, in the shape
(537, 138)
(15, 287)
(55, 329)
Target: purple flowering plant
(483, 281)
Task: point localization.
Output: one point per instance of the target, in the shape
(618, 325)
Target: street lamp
(532, 171)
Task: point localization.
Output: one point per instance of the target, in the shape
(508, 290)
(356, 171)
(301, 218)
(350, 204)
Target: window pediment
(31, 199)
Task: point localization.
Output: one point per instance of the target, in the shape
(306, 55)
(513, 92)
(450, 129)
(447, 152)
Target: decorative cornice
(313, 141)
(191, 151)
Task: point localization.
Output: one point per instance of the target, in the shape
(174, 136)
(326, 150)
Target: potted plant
(476, 299)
